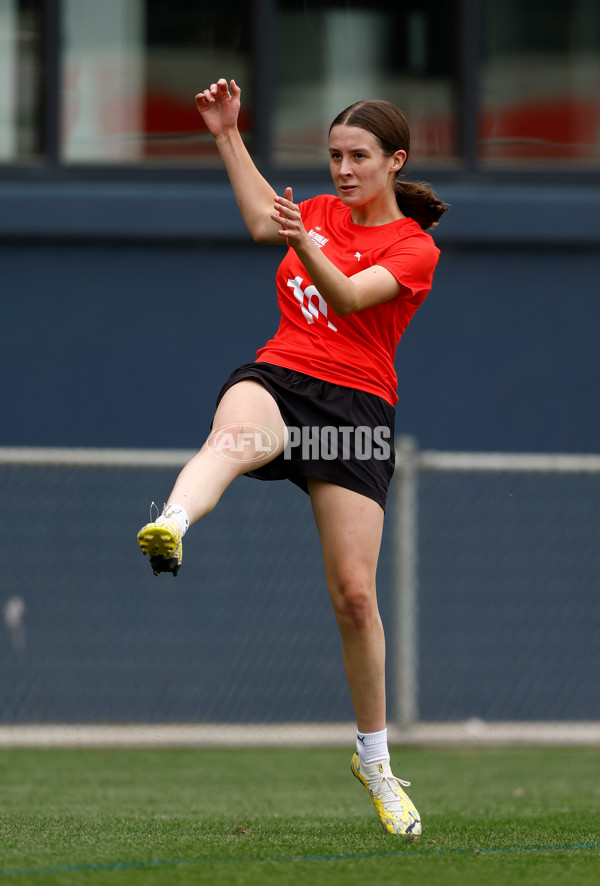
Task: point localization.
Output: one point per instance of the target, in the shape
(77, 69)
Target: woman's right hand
(218, 107)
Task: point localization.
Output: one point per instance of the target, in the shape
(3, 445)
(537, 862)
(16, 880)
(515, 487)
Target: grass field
(295, 817)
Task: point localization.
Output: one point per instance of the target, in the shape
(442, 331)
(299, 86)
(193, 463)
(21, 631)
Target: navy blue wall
(503, 355)
(127, 344)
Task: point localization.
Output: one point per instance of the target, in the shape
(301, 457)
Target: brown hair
(388, 124)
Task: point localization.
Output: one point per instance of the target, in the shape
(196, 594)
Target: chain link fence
(243, 634)
(488, 587)
(501, 600)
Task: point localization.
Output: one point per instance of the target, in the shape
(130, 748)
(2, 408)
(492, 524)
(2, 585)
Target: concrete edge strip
(474, 733)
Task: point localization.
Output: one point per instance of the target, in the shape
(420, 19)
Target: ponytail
(417, 200)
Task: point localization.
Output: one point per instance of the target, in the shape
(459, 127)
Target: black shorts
(336, 433)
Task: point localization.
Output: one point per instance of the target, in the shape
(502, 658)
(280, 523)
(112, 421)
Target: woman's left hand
(287, 214)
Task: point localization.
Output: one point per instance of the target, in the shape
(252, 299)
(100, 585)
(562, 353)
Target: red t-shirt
(356, 351)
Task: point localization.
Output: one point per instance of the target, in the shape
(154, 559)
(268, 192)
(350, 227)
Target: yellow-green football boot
(161, 541)
(395, 809)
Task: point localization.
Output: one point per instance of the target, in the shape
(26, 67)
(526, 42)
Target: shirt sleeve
(412, 262)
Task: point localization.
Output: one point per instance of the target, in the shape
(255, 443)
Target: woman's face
(361, 172)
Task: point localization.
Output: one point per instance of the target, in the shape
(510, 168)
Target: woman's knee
(354, 602)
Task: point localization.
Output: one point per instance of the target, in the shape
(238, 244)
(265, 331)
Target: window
(331, 54)
(21, 75)
(541, 83)
(130, 71)
(106, 87)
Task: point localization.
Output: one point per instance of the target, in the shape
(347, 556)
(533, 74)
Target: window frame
(468, 169)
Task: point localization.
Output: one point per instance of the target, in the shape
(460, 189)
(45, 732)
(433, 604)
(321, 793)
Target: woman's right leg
(248, 431)
(247, 417)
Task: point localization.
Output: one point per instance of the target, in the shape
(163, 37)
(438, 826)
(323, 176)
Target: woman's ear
(399, 159)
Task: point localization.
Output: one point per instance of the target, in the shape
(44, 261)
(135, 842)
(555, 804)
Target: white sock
(372, 747)
(173, 513)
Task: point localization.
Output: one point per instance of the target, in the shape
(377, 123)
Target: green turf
(165, 818)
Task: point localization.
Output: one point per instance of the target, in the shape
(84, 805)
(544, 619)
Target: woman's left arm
(343, 294)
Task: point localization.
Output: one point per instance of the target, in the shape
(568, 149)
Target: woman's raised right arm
(220, 109)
